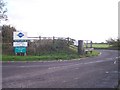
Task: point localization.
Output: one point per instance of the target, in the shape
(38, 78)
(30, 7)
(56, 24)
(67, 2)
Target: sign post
(20, 43)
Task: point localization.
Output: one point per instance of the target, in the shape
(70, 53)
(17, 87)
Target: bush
(45, 46)
(7, 49)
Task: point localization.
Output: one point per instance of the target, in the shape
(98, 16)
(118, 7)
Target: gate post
(80, 47)
(91, 44)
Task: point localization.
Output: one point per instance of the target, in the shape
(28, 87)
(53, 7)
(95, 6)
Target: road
(92, 72)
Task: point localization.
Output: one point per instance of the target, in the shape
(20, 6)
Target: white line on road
(106, 72)
(76, 78)
(76, 68)
(115, 62)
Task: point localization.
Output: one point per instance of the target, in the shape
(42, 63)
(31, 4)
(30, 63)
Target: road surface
(92, 72)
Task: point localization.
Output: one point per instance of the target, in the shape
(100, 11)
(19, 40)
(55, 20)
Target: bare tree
(3, 11)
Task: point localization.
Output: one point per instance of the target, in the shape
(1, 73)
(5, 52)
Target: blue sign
(20, 35)
(20, 49)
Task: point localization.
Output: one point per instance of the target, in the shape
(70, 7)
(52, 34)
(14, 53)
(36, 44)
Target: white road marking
(115, 62)
(100, 53)
(76, 78)
(76, 68)
(106, 72)
(112, 72)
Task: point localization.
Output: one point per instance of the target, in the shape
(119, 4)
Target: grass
(57, 56)
(73, 47)
(101, 46)
(61, 55)
(0, 56)
(94, 53)
(38, 58)
(105, 46)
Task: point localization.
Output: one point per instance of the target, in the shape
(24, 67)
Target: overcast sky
(95, 20)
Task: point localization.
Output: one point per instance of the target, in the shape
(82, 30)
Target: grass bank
(55, 56)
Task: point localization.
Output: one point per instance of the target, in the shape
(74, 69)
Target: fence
(51, 38)
(40, 45)
(84, 46)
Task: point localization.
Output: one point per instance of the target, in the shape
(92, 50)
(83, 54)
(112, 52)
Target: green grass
(100, 46)
(60, 55)
(0, 56)
(104, 46)
(73, 47)
(37, 58)
(94, 53)
(57, 56)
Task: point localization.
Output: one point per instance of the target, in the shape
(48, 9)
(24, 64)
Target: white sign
(19, 35)
(18, 44)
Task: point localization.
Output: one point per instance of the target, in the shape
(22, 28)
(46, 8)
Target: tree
(3, 10)
(115, 43)
(7, 38)
(110, 41)
(7, 33)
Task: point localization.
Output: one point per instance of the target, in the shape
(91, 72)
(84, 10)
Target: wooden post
(39, 37)
(53, 39)
(87, 44)
(80, 47)
(68, 40)
(91, 44)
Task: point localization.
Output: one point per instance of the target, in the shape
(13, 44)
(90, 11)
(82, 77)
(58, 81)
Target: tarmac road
(92, 72)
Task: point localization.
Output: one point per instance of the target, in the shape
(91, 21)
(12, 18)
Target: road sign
(20, 49)
(19, 35)
(18, 44)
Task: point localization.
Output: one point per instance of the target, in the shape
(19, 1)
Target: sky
(95, 20)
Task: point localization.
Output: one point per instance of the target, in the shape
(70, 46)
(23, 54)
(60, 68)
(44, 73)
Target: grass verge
(57, 56)
(94, 53)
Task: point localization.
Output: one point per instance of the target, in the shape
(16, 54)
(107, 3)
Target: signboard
(20, 49)
(19, 35)
(19, 44)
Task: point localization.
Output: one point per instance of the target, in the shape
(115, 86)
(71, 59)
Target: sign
(19, 35)
(20, 49)
(19, 44)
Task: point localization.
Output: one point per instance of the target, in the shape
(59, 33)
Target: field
(100, 46)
